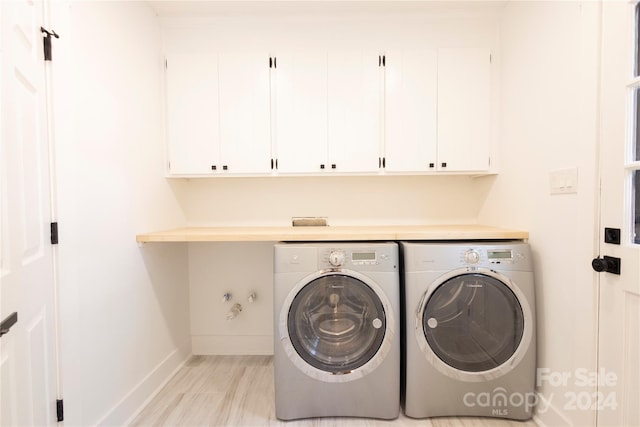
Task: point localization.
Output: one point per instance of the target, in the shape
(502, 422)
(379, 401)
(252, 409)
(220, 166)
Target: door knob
(607, 264)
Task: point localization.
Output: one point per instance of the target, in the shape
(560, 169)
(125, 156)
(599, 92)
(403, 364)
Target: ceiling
(208, 8)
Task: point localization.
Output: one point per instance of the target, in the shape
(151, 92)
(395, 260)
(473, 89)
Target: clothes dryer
(470, 330)
(337, 330)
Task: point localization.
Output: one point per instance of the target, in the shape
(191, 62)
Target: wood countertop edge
(362, 233)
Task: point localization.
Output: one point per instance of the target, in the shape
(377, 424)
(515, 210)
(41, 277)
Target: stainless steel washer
(337, 330)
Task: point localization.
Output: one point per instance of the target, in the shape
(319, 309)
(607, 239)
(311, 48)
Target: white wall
(344, 200)
(124, 309)
(549, 122)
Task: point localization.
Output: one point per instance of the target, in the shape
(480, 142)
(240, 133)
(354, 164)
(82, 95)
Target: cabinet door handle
(225, 167)
(322, 166)
(444, 164)
(214, 167)
(432, 165)
(333, 166)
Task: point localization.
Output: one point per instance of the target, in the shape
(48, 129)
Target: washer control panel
(365, 257)
(336, 258)
(472, 257)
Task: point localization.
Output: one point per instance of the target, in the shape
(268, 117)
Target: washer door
(337, 326)
(476, 324)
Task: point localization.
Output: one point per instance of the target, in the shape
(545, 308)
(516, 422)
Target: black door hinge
(8, 322)
(60, 410)
(47, 42)
(54, 233)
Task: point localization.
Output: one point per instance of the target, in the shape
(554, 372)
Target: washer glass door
(473, 322)
(336, 323)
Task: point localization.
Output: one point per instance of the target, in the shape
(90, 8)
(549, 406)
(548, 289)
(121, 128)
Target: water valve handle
(234, 312)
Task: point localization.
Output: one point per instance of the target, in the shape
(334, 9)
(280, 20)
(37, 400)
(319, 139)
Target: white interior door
(27, 358)
(619, 294)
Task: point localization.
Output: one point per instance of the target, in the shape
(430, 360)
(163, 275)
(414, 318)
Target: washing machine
(469, 325)
(337, 330)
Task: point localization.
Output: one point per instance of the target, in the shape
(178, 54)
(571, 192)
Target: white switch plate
(563, 181)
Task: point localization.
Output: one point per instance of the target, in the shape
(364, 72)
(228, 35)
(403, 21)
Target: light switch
(563, 181)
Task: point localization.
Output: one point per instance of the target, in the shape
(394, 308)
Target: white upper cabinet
(192, 114)
(464, 109)
(301, 111)
(245, 115)
(411, 94)
(408, 111)
(328, 112)
(437, 110)
(354, 108)
(218, 114)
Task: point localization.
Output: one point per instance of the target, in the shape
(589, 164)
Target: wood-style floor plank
(239, 391)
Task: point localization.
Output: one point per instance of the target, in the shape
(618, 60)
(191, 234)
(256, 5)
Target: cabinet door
(192, 113)
(410, 110)
(245, 139)
(301, 112)
(463, 109)
(354, 110)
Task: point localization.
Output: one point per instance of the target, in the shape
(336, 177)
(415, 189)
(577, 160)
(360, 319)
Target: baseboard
(232, 344)
(141, 394)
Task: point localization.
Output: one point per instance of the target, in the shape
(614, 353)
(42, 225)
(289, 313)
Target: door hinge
(60, 410)
(47, 42)
(8, 322)
(54, 233)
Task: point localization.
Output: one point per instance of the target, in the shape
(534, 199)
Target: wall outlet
(563, 181)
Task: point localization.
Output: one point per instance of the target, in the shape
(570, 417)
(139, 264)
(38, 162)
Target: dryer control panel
(508, 256)
(492, 256)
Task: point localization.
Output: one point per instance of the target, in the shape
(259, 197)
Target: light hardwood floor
(239, 391)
